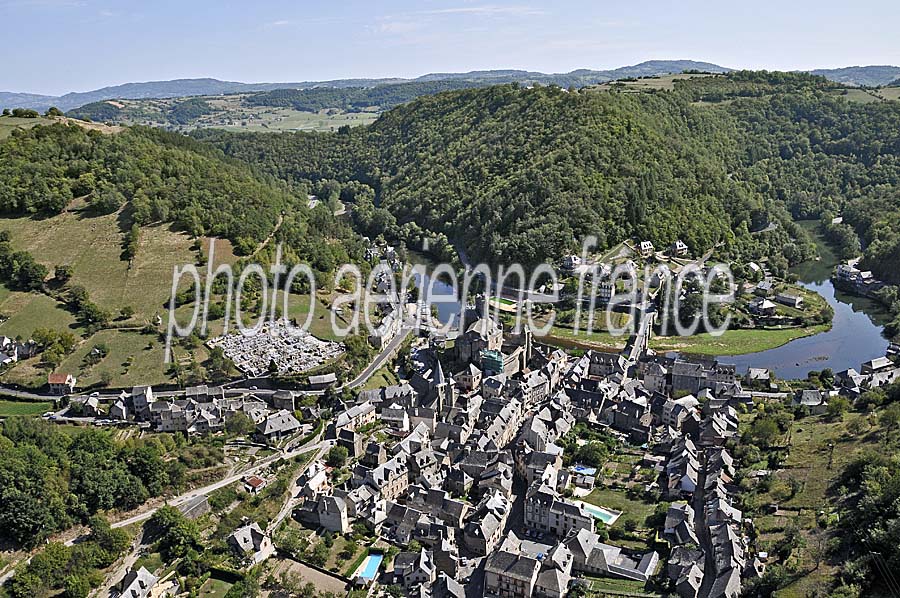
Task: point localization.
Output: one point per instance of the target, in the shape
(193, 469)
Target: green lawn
(624, 586)
(734, 342)
(150, 561)
(24, 312)
(214, 588)
(383, 377)
(618, 500)
(563, 335)
(10, 408)
(320, 324)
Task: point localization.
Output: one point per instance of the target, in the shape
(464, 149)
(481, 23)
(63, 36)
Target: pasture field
(92, 245)
(132, 359)
(861, 96)
(232, 114)
(663, 82)
(9, 123)
(890, 93)
(23, 312)
(288, 119)
(13, 408)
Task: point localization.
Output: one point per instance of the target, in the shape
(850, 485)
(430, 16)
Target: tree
(25, 113)
(319, 554)
(764, 431)
(857, 426)
(107, 199)
(245, 588)
(112, 541)
(106, 378)
(239, 424)
(177, 534)
(63, 273)
(837, 407)
(76, 587)
(337, 456)
(890, 417)
(54, 111)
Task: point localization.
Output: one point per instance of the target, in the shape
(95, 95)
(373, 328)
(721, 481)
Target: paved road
(240, 385)
(187, 496)
(386, 354)
(23, 394)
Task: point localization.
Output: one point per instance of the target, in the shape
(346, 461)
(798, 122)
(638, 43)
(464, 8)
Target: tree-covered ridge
(103, 111)
(179, 113)
(355, 99)
(163, 177)
(748, 84)
(521, 175)
(823, 156)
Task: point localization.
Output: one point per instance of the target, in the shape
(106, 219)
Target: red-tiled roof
(254, 481)
(57, 378)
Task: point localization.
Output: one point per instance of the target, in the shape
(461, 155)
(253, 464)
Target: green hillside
(93, 224)
(522, 174)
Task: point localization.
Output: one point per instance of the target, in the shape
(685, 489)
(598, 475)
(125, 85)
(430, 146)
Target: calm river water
(855, 335)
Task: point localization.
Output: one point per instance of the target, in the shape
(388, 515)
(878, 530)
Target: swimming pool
(584, 469)
(607, 516)
(368, 569)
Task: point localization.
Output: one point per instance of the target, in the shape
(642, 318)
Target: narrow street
(702, 530)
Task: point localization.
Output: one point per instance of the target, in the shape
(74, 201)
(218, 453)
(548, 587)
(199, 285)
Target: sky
(56, 46)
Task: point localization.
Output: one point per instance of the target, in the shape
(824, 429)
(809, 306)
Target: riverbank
(731, 342)
(735, 342)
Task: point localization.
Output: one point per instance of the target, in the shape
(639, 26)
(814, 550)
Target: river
(855, 335)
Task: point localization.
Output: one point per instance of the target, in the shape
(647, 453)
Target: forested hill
(872, 76)
(521, 175)
(805, 146)
(153, 176)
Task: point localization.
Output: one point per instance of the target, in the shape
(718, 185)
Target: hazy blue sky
(55, 46)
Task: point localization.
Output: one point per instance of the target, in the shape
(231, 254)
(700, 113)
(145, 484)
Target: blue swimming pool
(607, 516)
(369, 567)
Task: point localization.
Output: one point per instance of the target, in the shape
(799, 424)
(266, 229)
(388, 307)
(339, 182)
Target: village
(487, 463)
(494, 466)
(500, 467)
